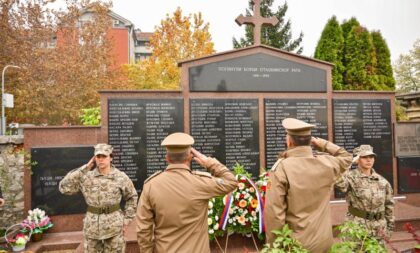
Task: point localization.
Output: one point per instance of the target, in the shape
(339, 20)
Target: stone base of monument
(401, 240)
(73, 242)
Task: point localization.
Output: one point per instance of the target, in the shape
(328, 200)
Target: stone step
(400, 240)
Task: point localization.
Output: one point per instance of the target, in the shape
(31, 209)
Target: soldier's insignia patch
(220, 181)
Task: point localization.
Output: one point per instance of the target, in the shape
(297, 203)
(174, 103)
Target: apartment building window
(141, 56)
(141, 43)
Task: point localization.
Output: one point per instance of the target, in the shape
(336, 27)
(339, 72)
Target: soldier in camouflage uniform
(103, 187)
(368, 194)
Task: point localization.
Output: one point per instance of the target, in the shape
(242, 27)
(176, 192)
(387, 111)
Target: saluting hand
(356, 159)
(91, 163)
(198, 157)
(314, 142)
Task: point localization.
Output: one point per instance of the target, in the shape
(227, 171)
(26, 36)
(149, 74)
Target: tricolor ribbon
(225, 213)
(260, 204)
(229, 200)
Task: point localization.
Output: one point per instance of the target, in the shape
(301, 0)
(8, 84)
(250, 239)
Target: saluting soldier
(103, 187)
(172, 212)
(369, 195)
(300, 185)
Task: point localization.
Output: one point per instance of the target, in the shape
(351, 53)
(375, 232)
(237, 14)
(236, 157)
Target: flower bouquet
(239, 211)
(18, 237)
(262, 185)
(38, 222)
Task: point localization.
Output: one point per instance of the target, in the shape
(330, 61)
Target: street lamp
(3, 118)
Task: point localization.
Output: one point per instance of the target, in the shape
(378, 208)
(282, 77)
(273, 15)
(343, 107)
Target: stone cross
(257, 21)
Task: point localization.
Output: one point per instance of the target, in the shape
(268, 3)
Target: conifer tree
(278, 36)
(330, 48)
(384, 79)
(347, 25)
(360, 58)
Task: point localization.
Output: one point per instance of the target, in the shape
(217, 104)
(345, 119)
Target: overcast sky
(398, 20)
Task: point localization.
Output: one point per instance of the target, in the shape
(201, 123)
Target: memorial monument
(232, 103)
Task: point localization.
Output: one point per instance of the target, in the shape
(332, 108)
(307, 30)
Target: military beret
(103, 149)
(178, 142)
(364, 150)
(297, 127)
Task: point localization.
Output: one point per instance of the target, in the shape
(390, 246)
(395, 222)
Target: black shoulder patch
(152, 176)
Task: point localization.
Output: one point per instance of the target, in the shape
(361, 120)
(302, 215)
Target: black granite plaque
(365, 121)
(408, 174)
(313, 111)
(407, 139)
(50, 165)
(228, 130)
(136, 127)
(258, 72)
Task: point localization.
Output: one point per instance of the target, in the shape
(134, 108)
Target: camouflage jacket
(372, 194)
(100, 191)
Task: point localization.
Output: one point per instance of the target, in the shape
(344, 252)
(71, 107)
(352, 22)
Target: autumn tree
(278, 36)
(63, 61)
(177, 38)
(407, 70)
(330, 48)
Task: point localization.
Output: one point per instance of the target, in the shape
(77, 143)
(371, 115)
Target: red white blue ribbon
(225, 214)
(228, 204)
(260, 205)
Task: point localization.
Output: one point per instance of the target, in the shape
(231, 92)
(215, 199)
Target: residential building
(130, 44)
(141, 50)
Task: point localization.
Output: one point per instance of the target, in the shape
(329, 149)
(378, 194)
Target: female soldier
(368, 194)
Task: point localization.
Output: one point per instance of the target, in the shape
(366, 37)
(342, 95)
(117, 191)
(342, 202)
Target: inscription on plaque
(313, 111)
(136, 127)
(50, 166)
(407, 139)
(409, 174)
(227, 129)
(365, 121)
(258, 72)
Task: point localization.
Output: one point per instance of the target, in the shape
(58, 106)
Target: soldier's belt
(366, 215)
(103, 210)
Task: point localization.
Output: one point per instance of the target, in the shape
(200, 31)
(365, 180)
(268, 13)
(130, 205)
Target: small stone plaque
(407, 139)
(50, 165)
(408, 174)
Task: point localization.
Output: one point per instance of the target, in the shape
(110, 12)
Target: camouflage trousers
(114, 244)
